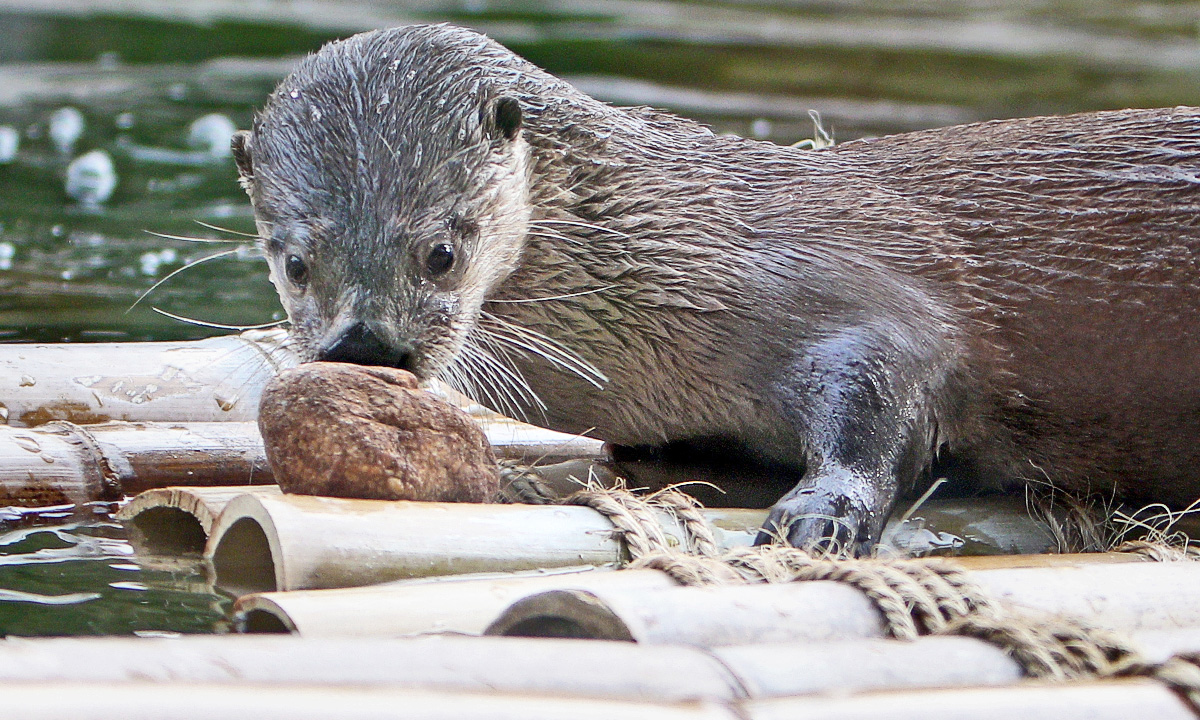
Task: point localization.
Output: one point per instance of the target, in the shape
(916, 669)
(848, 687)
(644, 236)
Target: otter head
(389, 179)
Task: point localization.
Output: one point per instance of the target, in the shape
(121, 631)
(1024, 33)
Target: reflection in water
(78, 579)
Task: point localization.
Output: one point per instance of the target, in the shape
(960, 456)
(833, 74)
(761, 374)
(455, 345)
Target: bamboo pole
(295, 542)
(454, 603)
(1135, 596)
(446, 604)
(61, 462)
(228, 701)
(562, 667)
(1095, 700)
(570, 668)
(217, 379)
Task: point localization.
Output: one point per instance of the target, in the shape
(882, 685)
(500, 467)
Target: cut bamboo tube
(294, 542)
(177, 520)
(297, 543)
(61, 462)
(565, 668)
(571, 668)
(464, 604)
(1096, 700)
(433, 605)
(66, 463)
(1136, 596)
(187, 701)
(218, 379)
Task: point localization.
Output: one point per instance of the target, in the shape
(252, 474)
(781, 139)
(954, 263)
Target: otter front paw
(812, 518)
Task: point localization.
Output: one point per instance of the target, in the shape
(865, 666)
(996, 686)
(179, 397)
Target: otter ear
(505, 118)
(240, 144)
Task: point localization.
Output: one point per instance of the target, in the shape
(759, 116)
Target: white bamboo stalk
(295, 542)
(1125, 597)
(228, 701)
(466, 603)
(218, 379)
(1096, 700)
(566, 668)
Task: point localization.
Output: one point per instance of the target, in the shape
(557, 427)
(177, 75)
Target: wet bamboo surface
(469, 603)
(934, 676)
(218, 379)
(582, 668)
(1122, 597)
(262, 543)
(62, 462)
(295, 542)
(187, 701)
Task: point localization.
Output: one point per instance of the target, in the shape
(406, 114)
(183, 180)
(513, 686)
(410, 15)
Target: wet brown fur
(1019, 296)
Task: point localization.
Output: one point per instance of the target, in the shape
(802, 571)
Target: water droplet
(294, 94)
(225, 402)
(10, 141)
(66, 125)
(91, 178)
(27, 443)
(47, 459)
(27, 381)
(125, 121)
(212, 133)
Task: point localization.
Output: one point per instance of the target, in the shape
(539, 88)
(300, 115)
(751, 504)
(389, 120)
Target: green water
(70, 272)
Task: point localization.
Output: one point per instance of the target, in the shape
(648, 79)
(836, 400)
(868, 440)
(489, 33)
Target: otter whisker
(220, 326)
(579, 223)
(564, 296)
(218, 228)
(189, 238)
(500, 395)
(505, 370)
(552, 235)
(175, 272)
(546, 347)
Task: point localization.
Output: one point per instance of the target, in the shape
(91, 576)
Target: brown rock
(369, 432)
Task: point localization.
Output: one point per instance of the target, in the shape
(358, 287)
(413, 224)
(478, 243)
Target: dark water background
(70, 272)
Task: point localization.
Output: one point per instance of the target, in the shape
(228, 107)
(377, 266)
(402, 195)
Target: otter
(1019, 298)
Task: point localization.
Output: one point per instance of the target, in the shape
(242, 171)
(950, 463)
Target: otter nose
(361, 346)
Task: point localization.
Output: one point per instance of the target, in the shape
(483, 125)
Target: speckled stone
(369, 432)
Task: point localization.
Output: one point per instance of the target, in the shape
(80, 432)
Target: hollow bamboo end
(255, 615)
(166, 530)
(243, 547)
(561, 614)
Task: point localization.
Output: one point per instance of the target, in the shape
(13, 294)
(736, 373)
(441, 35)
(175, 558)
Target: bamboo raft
(367, 608)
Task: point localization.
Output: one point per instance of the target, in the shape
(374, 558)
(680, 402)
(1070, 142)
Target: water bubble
(66, 125)
(168, 255)
(109, 60)
(91, 178)
(57, 230)
(760, 128)
(10, 140)
(212, 133)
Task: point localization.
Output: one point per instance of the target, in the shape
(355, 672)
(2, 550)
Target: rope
(636, 524)
(929, 596)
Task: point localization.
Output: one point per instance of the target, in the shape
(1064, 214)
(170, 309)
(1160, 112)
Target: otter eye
(441, 257)
(297, 270)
